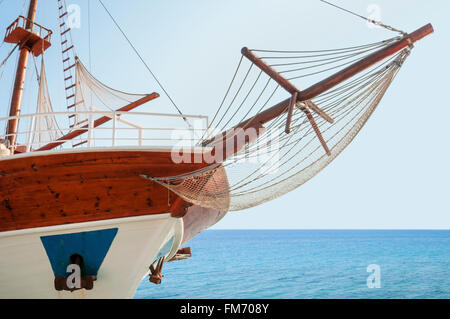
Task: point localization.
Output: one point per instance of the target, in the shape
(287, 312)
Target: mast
(16, 100)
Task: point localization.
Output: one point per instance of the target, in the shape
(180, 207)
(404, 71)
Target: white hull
(26, 272)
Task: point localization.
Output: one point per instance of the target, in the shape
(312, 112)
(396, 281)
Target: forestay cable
(146, 65)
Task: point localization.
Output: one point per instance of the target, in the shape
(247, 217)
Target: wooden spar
(319, 111)
(292, 102)
(235, 141)
(365, 63)
(231, 142)
(285, 84)
(288, 86)
(16, 99)
(316, 129)
(97, 123)
(340, 77)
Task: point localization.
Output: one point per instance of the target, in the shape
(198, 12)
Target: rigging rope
(22, 11)
(224, 98)
(286, 161)
(146, 65)
(378, 23)
(70, 33)
(9, 55)
(89, 35)
(332, 57)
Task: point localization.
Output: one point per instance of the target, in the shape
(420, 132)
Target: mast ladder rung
(71, 47)
(71, 106)
(67, 59)
(68, 68)
(65, 31)
(75, 104)
(81, 143)
(70, 87)
(78, 123)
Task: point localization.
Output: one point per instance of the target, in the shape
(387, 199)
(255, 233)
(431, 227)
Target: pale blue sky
(395, 174)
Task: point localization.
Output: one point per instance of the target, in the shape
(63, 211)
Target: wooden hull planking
(55, 188)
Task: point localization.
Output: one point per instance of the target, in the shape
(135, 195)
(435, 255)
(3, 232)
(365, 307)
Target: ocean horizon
(311, 264)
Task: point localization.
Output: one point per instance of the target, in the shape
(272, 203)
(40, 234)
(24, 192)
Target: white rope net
(93, 95)
(276, 162)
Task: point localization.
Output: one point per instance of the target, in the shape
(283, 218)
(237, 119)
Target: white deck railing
(121, 129)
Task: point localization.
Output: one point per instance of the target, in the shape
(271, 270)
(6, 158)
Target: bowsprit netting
(275, 162)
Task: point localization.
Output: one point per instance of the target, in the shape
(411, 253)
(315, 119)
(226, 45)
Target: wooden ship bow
(285, 116)
(283, 146)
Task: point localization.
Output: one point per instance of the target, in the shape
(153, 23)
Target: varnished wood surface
(55, 189)
(277, 77)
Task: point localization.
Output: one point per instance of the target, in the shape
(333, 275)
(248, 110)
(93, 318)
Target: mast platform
(28, 34)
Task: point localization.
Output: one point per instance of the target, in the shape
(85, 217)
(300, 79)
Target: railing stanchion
(90, 130)
(114, 129)
(30, 135)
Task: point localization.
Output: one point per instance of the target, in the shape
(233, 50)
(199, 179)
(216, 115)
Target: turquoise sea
(308, 264)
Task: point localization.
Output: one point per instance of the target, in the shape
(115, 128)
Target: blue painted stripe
(92, 246)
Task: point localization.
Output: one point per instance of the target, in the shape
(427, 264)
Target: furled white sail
(44, 125)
